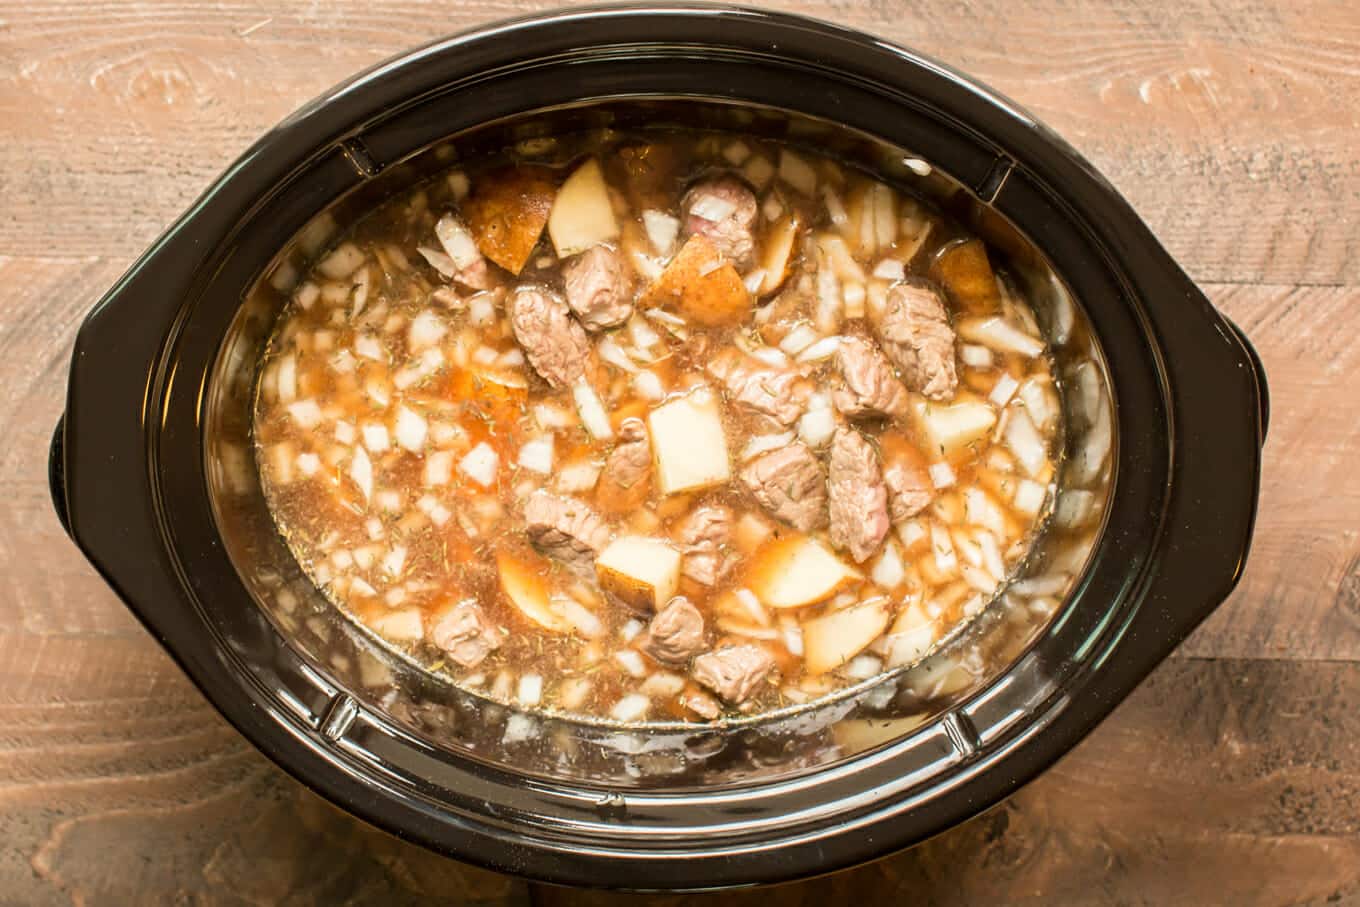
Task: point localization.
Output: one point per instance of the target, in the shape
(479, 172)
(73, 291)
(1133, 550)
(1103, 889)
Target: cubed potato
(700, 285)
(953, 427)
(688, 443)
(777, 256)
(796, 570)
(965, 272)
(507, 213)
(833, 639)
(640, 571)
(582, 214)
(855, 735)
(522, 581)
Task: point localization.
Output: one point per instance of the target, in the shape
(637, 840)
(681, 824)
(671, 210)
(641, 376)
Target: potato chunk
(796, 570)
(523, 584)
(582, 214)
(689, 444)
(640, 571)
(953, 427)
(833, 639)
(700, 285)
(965, 272)
(507, 213)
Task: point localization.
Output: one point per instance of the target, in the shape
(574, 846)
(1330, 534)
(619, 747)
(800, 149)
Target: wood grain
(1230, 125)
(1232, 776)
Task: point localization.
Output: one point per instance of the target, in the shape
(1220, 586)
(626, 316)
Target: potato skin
(507, 212)
(700, 285)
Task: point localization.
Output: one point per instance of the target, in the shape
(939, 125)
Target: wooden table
(1232, 776)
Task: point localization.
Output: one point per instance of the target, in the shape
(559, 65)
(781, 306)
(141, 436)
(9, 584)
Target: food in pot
(663, 426)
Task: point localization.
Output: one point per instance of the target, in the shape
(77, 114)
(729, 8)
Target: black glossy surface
(1190, 414)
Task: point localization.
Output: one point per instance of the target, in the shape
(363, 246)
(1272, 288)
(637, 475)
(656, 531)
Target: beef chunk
(554, 343)
(733, 672)
(906, 476)
(780, 393)
(916, 335)
(789, 483)
(858, 497)
(870, 387)
(704, 535)
(676, 633)
(565, 529)
(724, 210)
(466, 635)
(599, 287)
(624, 482)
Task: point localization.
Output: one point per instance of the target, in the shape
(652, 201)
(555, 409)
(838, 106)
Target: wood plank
(1217, 782)
(1229, 126)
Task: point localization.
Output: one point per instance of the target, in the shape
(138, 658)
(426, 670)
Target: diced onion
(800, 338)
(591, 410)
(662, 229)
(361, 471)
(1043, 584)
(286, 379)
(822, 349)
(484, 355)
(481, 309)
(890, 269)
(712, 207)
(457, 241)
(754, 609)
(941, 475)
(797, 172)
(1000, 335)
(1039, 401)
(852, 292)
(439, 468)
(370, 347)
(736, 152)
(758, 171)
(308, 464)
(537, 455)
(577, 477)
(629, 631)
(631, 662)
(945, 558)
(530, 690)
(375, 437)
(648, 385)
(643, 335)
(343, 262)
(1025, 442)
(612, 353)
(480, 464)
(817, 426)
(459, 185)
(389, 501)
(632, 707)
(394, 560)
(772, 208)
(582, 619)
(411, 429)
(971, 354)
(888, 571)
(519, 728)
(769, 355)
(306, 295)
(760, 444)
(1029, 497)
(835, 208)
(792, 635)
(305, 413)
(426, 329)
(754, 280)
(862, 667)
(1073, 507)
(1003, 390)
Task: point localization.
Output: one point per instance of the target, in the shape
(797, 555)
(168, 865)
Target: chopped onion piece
(822, 349)
(760, 444)
(361, 288)
(481, 309)
(772, 208)
(853, 293)
(370, 347)
(712, 207)
(286, 379)
(395, 560)
(662, 229)
(459, 185)
(629, 631)
(281, 460)
(378, 392)
(1029, 497)
(971, 354)
(341, 263)
(758, 171)
(631, 662)
(1073, 507)
(945, 558)
(375, 437)
(754, 609)
(663, 683)
(736, 152)
(1039, 401)
(457, 241)
(769, 355)
(308, 464)
(537, 455)
(754, 280)
(306, 295)
(530, 690)
(305, 413)
(591, 410)
(641, 332)
(792, 635)
(649, 386)
(518, 727)
(632, 707)
(1025, 442)
(910, 533)
(389, 501)
(343, 362)
(890, 269)
(411, 429)
(817, 426)
(941, 475)
(1000, 335)
(582, 619)
(361, 471)
(577, 477)
(800, 338)
(1003, 390)
(484, 355)
(549, 416)
(991, 555)
(439, 468)
(797, 172)
(612, 353)
(426, 329)
(835, 208)
(862, 667)
(888, 571)
(480, 464)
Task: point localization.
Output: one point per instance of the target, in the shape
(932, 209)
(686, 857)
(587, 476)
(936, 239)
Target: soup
(658, 426)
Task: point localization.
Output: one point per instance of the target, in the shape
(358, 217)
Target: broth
(658, 426)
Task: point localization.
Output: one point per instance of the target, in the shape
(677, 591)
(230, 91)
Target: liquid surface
(658, 428)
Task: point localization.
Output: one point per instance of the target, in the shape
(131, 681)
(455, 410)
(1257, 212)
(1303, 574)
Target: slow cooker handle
(56, 473)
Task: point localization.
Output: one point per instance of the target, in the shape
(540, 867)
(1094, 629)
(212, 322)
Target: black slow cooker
(153, 475)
